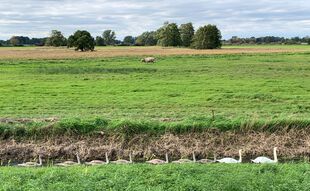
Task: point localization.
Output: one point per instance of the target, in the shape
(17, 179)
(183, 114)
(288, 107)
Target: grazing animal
(231, 160)
(204, 161)
(70, 163)
(122, 161)
(159, 161)
(265, 160)
(32, 164)
(99, 162)
(180, 161)
(148, 60)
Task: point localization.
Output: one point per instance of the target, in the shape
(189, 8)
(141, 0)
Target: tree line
(267, 40)
(170, 34)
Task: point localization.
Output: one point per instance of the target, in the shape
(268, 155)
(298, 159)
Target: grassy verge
(77, 126)
(167, 177)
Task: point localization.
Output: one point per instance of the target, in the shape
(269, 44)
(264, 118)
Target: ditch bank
(293, 144)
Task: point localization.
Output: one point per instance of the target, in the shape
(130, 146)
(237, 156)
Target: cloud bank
(36, 18)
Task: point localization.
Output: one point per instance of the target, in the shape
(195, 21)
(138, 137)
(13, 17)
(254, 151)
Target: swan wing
(263, 160)
(156, 161)
(121, 161)
(227, 160)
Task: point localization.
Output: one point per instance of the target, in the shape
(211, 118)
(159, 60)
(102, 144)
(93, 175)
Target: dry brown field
(64, 53)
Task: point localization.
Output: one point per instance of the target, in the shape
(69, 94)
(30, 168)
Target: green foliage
(81, 40)
(147, 39)
(99, 41)
(128, 128)
(56, 39)
(109, 37)
(187, 32)
(229, 177)
(129, 41)
(14, 41)
(169, 35)
(207, 37)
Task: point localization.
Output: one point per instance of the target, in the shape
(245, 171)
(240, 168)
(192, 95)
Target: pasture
(176, 88)
(229, 91)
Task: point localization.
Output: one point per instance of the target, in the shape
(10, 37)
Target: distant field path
(63, 53)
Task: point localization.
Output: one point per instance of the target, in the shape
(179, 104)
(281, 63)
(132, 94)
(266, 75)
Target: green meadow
(248, 86)
(177, 93)
(166, 177)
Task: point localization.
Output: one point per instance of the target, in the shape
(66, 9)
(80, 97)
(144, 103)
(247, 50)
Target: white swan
(180, 161)
(206, 160)
(231, 160)
(99, 162)
(70, 163)
(266, 160)
(31, 164)
(159, 161)
(122, 161)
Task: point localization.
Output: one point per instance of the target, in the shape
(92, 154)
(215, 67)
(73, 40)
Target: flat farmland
(177, 87)
(64, 53)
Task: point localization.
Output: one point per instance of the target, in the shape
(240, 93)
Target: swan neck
(130, 158)
(40, 160)
(240, 156)
(275, 155)
(194, 157)
(78, 159)
(167, 159)
(106, 158)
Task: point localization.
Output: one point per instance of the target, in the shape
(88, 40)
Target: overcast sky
(245, 18)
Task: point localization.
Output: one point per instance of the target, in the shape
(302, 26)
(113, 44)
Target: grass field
(168, 177)
(111, 88)
(264, 86)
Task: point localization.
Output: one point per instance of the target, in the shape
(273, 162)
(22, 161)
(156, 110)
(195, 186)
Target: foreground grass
(168, 177)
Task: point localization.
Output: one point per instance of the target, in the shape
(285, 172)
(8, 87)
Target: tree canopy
(109, 37)
(207, 37)
(187, 33)
(81, 40)
(56, 39)
(129, 40)
(169, 35)
(147, 39)
(99, 41)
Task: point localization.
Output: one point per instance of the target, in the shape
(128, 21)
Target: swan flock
(258, 160)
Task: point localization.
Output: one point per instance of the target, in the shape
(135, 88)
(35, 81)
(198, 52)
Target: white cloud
(132, 17)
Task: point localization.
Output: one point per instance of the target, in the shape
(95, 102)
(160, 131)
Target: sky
(36, 18)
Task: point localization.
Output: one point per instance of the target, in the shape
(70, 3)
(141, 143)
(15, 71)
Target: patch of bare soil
(63, 53)
(292, 144)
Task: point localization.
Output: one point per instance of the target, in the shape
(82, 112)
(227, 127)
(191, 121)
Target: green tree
(81, 40)
(309, 41)
(99, 41)
(129, 40)
(14, 41)
(56, 39)
(207, 37)
(147, 39)
(109, 37)
(187, 32)
(169, 35)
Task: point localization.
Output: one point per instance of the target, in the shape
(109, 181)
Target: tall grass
(78, 126)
